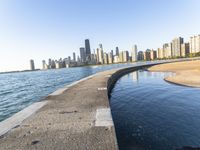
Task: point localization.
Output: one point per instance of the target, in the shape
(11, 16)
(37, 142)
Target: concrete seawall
(77, 116)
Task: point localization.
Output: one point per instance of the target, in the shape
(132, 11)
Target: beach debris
(35, 142)
(67, 112)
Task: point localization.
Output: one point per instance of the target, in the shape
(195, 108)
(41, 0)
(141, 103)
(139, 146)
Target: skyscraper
(140, 55)
(117, 51)
(167, 48)
(32, 65)
(121, 57)
(50, 66)
(185, 49)
(110, 58)
(153, 54)
(160, 54)
(100, 46)
(195, 44)
(74, 57)
(105, 55)
(44, 65)
(125, 56)
(147, 55)
(101, 55)
(176, 47)
(134, 53)
(82, 54)
(97, 55)
(87, 50)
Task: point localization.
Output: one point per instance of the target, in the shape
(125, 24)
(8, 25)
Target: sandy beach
(187, 73)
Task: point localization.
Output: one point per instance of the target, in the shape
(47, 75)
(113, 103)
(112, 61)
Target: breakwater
(78, 116)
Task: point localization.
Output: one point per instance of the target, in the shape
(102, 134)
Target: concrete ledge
(76, 116)
(19, 117)
(103, 118)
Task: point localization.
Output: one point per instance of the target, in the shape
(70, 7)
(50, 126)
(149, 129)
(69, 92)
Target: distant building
(58, 64)
(134, 53)
(185, 49)
(74, 57)
(32, 65)
(110, 58)
(69, 59)
(153, 54)
(160, 54)
(147, 55)
(117, 51)
(93, 59)
(176, 46)
(82, 54)
(121, 57)
(44, 65)
(116, 59)
(195, 44)
(101, 55)
(167, 50)
(105, 58)
(140, 55)
(87, 50)
(78, 59)
(53, 64)
(97, 55)
(112, 53)
(125, 56)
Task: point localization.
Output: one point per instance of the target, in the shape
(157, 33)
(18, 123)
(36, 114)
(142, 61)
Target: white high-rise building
(125, 56)
(44, 65)
(195, 44)
(176, 47)
(134, 53)
(101, 56)
(167, 49)
(110, 58)
(160, 53)
(97, 55)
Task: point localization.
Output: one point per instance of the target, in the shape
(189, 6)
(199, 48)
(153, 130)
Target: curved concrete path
(75, 117)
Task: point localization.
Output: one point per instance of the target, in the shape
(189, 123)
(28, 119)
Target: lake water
(19, 90)
(152, 114)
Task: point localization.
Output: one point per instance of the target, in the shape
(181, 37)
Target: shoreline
(179, 84)
(15, 120)
(79, 110)
(88, 124)
(186, 73)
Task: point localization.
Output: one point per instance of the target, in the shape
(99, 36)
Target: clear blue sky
(42, 29)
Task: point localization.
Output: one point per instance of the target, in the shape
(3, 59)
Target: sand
(187, 73)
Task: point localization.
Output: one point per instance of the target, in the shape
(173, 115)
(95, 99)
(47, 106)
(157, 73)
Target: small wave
(6, 93)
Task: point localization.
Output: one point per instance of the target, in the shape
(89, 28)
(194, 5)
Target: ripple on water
(152, 114)
(19, 90)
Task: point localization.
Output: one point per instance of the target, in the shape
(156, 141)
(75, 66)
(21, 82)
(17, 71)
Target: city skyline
(30, 32)
(176, 48)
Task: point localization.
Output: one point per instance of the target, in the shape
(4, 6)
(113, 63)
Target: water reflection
(18, 90)
(152, 114)
(135, 76)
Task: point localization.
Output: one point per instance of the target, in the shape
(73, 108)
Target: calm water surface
(151, 114)
(19, 90)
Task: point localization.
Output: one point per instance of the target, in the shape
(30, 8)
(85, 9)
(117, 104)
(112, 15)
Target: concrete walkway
(76, 117)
